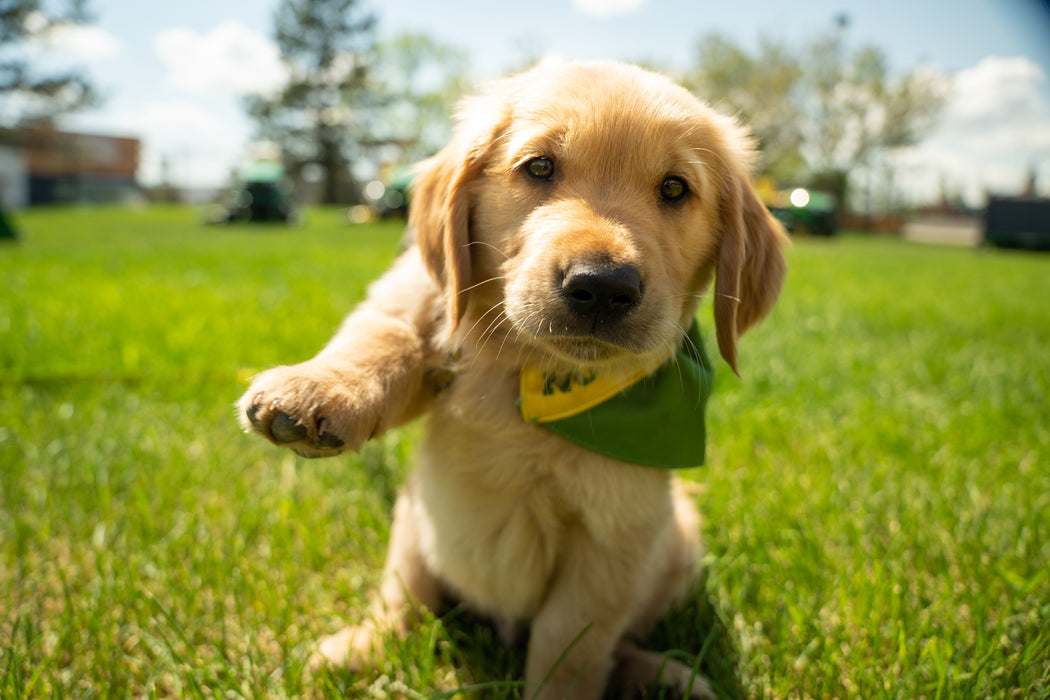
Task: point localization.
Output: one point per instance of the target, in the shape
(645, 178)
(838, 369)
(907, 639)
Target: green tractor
(262, 194)
(802, 210)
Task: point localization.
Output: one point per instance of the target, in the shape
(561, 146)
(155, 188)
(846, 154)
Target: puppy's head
(588, 206)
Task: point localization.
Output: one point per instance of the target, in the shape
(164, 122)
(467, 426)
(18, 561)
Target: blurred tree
(761, 89)
(351, 100)
(1031, 181)
(26, 93)
(326, 45)
(821, 113)
(417, 80)
(857, 112)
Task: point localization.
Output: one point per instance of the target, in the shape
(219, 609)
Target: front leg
(375, 374)
(345, 395)
(408, 588)
(575, 636)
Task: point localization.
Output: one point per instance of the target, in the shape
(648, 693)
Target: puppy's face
(601, 204)
(585, 208)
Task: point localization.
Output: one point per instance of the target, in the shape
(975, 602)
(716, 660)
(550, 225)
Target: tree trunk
(334, 165)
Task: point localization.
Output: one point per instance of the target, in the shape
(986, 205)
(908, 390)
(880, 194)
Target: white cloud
(229, 57)
(994, 128)
(994, 90)
(82, 43)
(606, 8)
(171, 117)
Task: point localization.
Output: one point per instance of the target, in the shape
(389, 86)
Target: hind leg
(407, 587)
(639, 671)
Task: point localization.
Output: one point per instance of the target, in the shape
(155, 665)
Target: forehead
(634, 121)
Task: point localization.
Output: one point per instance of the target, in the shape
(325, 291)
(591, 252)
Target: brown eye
(540, 168)
(673, 189)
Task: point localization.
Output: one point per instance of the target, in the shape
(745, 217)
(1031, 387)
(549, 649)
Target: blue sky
(172, 72)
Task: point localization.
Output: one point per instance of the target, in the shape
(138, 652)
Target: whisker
(493, 326)
(506, 337)
(690, 348)
(674, 355)
(718, 157)
(489, 245)
(483, 282)
(466, 335)
(685, 295)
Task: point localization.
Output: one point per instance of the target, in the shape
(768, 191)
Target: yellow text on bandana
(546, 397)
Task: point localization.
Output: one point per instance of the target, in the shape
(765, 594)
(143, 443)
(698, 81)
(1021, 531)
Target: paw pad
(284, 429)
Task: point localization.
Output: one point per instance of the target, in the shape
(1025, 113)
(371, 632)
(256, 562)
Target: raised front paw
(315, 410)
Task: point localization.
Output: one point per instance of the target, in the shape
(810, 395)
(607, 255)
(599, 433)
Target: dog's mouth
(590, 312)
(586, 341)
(585, 349)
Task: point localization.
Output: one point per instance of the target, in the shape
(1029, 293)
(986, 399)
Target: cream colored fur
(503, 515)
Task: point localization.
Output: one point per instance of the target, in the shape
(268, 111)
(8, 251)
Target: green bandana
(654, 418)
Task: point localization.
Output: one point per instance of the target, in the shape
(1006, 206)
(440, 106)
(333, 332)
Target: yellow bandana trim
(546, 397)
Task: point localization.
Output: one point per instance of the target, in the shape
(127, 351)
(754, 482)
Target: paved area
(960, 233)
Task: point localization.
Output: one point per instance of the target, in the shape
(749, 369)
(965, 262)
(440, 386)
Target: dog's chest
(497, 499)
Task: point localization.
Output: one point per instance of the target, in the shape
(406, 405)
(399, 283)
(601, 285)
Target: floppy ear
(751, 265)
(439, 215)
(440, 209)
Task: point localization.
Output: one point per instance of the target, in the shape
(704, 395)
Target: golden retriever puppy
(567, 232)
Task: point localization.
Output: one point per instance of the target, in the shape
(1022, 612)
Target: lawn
(876, 497)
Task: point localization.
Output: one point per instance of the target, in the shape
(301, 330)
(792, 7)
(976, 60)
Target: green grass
(876, 499)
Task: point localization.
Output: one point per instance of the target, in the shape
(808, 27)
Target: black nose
(604, 293)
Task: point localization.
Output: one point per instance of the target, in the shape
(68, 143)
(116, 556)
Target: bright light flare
(375, 190)
(799, 198)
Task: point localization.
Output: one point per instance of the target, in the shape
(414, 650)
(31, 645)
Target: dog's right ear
(439, 212)
(439, 215)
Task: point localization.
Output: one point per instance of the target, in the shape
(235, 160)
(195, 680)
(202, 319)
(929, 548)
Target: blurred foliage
(28, 94)
(421, 80)
(350, 99)
(317, 115)
(760, 88)
(822, 112)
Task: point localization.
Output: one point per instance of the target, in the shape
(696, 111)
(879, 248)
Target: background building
(42, 165)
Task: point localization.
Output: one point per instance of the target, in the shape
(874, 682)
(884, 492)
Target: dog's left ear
(751, 266)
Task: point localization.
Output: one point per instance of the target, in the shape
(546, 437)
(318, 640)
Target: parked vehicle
(262, 195)
(1018, 222)
(803, 210)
